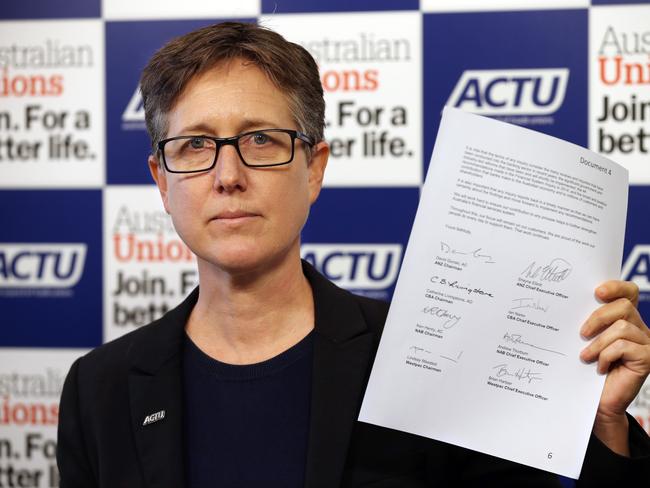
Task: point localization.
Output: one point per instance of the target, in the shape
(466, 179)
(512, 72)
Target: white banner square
(619, 87)
(493, 5)
(371, 70)
(148, 270)
(31, 381)
(173, 9)
(52, 115)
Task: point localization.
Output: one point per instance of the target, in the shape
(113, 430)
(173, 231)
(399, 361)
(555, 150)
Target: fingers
(609, 313)
(615, 289)
(621, 341)
(635, 356)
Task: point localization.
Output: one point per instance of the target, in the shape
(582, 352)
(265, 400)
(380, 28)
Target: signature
(460, 286)
(520, 374)
(443, 313)
(517, 339)
(455, 360)
(529, 303)
(416, 349)
(557, 270)
(476, 253)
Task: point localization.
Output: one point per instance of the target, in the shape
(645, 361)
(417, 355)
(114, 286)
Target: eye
(260, 138)
(197, 143)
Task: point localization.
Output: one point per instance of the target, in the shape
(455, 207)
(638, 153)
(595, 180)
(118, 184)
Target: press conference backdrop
(87, 252)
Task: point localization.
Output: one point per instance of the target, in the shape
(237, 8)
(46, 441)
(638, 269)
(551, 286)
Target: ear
(320, 155)
(160, 177)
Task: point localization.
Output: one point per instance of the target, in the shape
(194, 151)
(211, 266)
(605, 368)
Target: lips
(232, 215)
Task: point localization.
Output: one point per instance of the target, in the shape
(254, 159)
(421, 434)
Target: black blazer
(109, 392)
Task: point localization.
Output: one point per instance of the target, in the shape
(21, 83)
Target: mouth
(234, 216)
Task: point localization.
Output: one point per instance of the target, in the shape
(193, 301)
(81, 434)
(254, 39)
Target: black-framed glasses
(258, 149)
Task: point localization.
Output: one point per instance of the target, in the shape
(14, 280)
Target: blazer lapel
(343, 350)
(156, 398)
(156, 413)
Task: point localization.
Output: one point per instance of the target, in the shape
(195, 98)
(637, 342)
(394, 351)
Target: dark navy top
(247, 426)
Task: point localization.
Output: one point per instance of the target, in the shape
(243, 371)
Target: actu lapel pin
(154, 417)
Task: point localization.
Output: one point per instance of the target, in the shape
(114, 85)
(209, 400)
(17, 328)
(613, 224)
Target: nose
(229, 172)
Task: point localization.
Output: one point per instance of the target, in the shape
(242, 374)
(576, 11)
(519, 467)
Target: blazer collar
(164, 340)
(343, 350)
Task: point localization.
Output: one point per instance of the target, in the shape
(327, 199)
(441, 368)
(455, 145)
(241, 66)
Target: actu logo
(154, 417)
(134, 111)
(43, 265)
(511, 92)
(637, 267)
(356, 266)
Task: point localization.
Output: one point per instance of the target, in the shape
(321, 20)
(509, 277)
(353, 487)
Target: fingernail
(601, 291)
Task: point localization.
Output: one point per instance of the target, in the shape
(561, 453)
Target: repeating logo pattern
(87, 252)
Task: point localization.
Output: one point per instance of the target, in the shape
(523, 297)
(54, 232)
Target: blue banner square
(515, 66)
(297, 6)
(50, 9)
(636, 251)
(51, 268)
(129, 45)
(357, 237)
(618, 2)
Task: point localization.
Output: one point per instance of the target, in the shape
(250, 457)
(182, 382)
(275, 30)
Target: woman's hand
(622, 349)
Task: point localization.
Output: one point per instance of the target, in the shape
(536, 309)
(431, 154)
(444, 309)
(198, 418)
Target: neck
(248, 317)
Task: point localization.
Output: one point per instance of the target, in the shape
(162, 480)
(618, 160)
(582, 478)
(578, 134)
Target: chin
(237, 260)
(240, 260)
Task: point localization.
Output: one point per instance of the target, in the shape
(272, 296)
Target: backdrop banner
(87, 252)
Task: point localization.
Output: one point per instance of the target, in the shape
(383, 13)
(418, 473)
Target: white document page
(514, 231)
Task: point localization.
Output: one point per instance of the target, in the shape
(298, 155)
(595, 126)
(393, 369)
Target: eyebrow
(245, 125)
